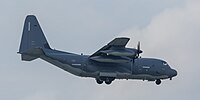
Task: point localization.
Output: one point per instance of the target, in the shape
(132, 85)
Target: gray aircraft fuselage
(105, 65)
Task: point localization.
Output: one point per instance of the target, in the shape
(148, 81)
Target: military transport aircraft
(113, 61)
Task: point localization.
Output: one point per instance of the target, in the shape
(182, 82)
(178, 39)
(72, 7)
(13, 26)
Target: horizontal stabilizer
(27, 57)
(31, 54)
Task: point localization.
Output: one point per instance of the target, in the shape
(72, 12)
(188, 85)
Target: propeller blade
(138, 49)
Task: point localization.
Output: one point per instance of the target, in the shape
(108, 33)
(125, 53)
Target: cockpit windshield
(164, 63)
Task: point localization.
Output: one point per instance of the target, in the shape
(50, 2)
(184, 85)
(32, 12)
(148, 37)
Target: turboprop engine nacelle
(127, 53)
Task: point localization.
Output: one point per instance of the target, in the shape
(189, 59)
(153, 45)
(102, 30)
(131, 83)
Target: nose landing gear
(158, 81)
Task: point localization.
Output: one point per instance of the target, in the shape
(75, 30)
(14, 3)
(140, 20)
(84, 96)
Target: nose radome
(173, 72)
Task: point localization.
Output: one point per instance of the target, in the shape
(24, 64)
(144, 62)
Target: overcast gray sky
(167, 29)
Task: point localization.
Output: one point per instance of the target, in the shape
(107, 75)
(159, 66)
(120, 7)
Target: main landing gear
(107, 80)
(99, 81)
(158, 81)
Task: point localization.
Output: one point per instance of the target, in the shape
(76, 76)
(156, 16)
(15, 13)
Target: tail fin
(33, 39)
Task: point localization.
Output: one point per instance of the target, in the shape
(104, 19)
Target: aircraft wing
(117, 42)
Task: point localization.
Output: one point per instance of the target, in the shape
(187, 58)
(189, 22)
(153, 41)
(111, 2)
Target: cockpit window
(164, 63)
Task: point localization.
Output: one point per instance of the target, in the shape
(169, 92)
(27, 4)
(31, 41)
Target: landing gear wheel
(108, 82)
(99, 81)
(158, 81)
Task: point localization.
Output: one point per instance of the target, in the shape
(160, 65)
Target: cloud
(173, 35)
(175, 31)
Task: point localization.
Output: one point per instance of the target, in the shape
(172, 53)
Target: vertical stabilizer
(33, 39)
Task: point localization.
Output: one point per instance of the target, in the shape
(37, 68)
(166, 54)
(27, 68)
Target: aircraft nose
(173, 72)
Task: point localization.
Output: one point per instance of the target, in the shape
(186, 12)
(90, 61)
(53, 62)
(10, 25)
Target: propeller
(137, 54)
(138, 50)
